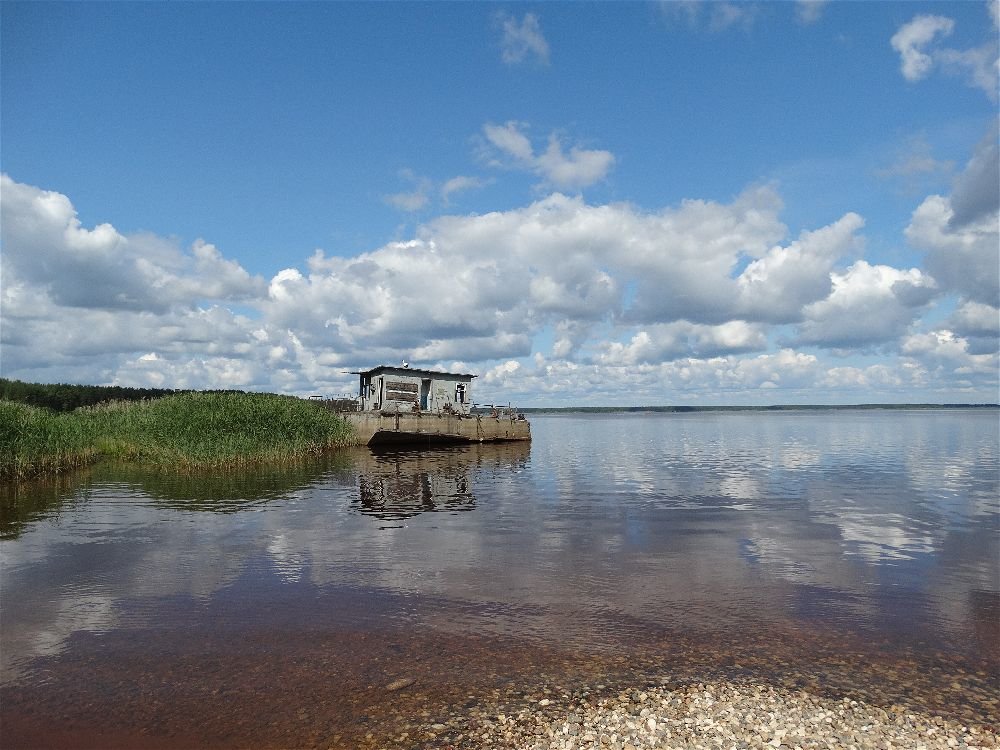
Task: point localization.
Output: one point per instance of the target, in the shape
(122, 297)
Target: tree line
(67, 397)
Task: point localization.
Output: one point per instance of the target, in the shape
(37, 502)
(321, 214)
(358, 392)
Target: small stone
(402, 682)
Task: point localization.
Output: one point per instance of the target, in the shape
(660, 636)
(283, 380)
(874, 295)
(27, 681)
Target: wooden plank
(409, 397)
(396, 385)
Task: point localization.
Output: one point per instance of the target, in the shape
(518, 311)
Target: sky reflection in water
(873, 521)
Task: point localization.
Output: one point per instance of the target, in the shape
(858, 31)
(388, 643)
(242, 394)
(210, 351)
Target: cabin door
(425, 393)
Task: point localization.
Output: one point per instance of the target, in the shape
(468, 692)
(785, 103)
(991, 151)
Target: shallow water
(838, 551)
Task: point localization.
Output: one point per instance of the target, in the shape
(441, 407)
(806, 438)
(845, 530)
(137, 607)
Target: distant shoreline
(773, 407)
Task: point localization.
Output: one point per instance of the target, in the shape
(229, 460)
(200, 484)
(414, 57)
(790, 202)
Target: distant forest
(775, 407)
(65, 397)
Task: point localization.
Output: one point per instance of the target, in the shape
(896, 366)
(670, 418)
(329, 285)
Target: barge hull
(374, 428)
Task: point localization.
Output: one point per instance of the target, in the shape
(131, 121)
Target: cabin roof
(414, 371)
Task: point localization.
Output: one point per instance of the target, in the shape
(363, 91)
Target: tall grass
(34, 440)
(186, 431)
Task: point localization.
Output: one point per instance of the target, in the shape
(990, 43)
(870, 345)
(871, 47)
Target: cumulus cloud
(673, 341)
(977, 189)
(961, 233)
(523, 41)
(777, 286)
(644, 383)
(920, 52)
(559, 299)
(978, 324)
(961, 259)
(950, 356)
(976, 319)
(45, 244)
(571, 170)
(869, 304)
(871, 377)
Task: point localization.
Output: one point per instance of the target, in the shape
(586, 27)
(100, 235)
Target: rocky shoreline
(724, 715)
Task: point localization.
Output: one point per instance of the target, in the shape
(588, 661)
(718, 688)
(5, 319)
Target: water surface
(836, 551)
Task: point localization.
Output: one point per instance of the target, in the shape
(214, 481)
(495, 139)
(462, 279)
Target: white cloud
(45, 244)
(869, 304)
(714, 379)
(577, 169)
(977, 189)
(961, 233)
(673, 341)
(523, 41)
(460, 184)
(978, 65)
(912, 38)
(809, 11)
(978, 324)
(411, 200)
(510, 140)
(949, 354)
(574, 170)
(916, 43)
(721, 15)
(500, 374)
(976, 319)
(961, 259)
(777, 286)
(871, 377)
(424, 190)
(611, 303)
(724, 15)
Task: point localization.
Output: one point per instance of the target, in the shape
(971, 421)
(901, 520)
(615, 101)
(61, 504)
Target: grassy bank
(185, 431)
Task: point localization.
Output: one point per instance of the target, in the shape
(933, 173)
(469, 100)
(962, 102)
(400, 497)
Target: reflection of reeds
(186, 431)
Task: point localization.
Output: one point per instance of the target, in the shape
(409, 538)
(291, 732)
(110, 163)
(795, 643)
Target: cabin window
(460, 393)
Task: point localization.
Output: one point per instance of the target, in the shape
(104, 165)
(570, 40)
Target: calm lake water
(848, 552)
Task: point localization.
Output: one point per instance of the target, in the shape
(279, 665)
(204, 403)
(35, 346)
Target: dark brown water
(848, 553)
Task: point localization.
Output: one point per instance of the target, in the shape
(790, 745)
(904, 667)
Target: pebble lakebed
(721, 715)
(355, 689)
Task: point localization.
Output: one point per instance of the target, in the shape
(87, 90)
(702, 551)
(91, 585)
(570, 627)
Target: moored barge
(411, 405)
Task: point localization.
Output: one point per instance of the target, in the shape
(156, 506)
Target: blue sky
(628, 203)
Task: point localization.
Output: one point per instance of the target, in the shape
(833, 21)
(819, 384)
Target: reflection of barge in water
(397, 484)
(409, 405)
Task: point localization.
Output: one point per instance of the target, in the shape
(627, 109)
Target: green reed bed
(186, 431)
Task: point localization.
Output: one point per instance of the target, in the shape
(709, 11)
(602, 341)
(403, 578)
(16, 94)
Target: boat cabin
(406, 389)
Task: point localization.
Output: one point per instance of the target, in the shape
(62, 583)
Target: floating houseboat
(410, 405)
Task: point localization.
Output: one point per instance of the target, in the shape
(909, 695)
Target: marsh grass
(187, 431)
